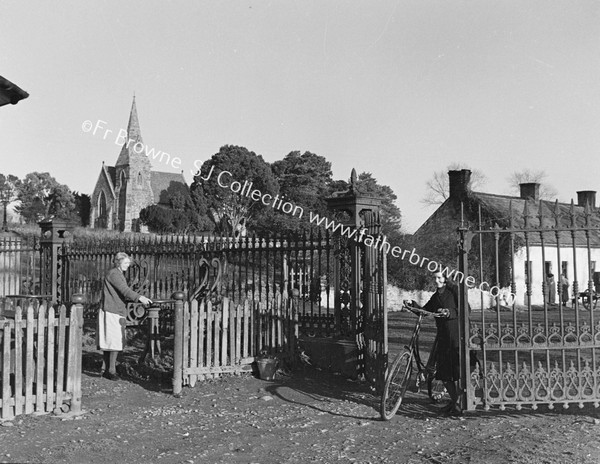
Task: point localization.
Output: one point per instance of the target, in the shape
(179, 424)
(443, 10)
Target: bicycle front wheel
(395, 385)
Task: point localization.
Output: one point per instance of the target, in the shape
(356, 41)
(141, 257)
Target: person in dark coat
(445, 302)
(564, 286)
(110, 336)
(550, 289)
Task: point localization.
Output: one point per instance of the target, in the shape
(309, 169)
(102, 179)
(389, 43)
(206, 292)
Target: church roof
(111, 174)
(161, 181)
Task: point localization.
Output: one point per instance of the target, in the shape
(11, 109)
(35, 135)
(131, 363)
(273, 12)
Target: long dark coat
(447, 359)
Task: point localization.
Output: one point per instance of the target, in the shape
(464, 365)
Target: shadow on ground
(152, 374)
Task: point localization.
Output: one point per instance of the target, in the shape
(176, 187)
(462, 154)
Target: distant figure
(110, 336)
(564, 286)
(550, 289)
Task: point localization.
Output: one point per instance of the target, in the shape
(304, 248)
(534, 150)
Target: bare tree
(438, 187)
(547, 191)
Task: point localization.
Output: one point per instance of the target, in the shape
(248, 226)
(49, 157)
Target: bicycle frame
(413, 346)
(401, 370)
(414, 349)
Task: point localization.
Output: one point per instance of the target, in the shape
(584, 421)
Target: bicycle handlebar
(422, 312)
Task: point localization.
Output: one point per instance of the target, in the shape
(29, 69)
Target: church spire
(133, 127)
(129, 150)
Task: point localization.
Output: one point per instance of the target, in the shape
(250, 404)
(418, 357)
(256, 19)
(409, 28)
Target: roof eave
(10, 93)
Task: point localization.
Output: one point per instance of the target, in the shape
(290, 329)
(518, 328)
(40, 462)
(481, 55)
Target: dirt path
(306, 417)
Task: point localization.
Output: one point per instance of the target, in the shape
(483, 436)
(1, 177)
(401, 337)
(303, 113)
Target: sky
(400, 89)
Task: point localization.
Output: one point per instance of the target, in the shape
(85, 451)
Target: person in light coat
(110, 333)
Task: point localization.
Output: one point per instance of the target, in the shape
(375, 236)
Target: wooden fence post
(75, 350)
(178, 344)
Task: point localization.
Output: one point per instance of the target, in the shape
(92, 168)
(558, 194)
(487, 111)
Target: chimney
(460, 183)
(530, 191)
(586, 196)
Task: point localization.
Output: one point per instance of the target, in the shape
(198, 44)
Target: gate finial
(557, 214)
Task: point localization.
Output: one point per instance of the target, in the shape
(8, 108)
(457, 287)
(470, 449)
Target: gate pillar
(465, 387)
(359, 277)
(55, 233)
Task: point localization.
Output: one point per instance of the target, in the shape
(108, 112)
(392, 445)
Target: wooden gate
(212, 339)
(40, 360)
(533, 323)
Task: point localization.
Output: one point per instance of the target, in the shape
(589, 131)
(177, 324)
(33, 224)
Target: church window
(102, 219)
(102, 205)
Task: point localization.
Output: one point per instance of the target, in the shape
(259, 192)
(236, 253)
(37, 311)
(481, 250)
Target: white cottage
(524, 240)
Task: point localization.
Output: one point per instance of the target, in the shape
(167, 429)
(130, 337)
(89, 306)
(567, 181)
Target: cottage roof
(497, 211)
(541, 215)
(161, 181)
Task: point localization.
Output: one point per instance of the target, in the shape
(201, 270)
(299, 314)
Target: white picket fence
(40, 359)
(227, 337)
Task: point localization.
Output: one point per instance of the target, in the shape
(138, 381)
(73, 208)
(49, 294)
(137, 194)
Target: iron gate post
(55, 234)
(358, 311)
(465, 387)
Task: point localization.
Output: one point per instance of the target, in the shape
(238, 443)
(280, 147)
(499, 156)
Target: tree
(42, 197)
(176, 195)
(176, 212)
(438, 187)
(162, 219)
(9, 185)
(547, 191)
(391, 217)
(83, 206)
(304, 180)
(217, 189)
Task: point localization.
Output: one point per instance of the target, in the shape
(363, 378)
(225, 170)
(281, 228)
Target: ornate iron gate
(372, 316)
(532, 285)
(360, 280)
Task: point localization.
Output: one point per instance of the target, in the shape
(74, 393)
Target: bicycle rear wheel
(395, 385)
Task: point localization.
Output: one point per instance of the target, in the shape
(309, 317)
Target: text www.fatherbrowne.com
(380, 243)
(246, 189)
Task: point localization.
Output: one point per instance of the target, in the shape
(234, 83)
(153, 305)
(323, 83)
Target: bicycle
(399, 373)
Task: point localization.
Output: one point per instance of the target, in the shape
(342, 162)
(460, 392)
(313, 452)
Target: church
(126, 188)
